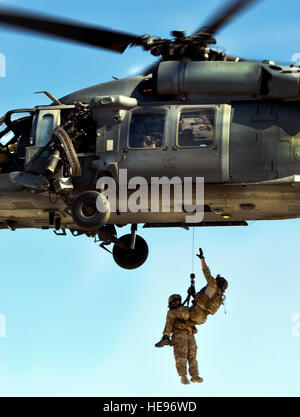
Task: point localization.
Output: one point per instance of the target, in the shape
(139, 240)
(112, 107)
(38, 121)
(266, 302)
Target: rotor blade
(222, 18)
(60, 28)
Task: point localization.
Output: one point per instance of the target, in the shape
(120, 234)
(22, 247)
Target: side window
(196, 128)
(45, 130)
(146, 130)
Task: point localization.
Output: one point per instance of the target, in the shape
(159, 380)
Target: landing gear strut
(129, 251)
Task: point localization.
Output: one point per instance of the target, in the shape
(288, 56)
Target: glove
(165, 340)
(200, 254)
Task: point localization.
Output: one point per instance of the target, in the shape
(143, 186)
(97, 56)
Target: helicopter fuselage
(246, 147)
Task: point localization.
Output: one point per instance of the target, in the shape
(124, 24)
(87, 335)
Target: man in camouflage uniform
(183, 339)
(181, 321)
(209, 299)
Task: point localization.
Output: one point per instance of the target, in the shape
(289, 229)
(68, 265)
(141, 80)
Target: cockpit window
(14, 138)
(17, 116)
(196, 128)
(146, 130)
(13, 127)
(7, 137)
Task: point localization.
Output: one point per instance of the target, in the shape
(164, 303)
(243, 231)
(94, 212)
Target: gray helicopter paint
(265, 141)
(222, 78)
(288, 149)
(253, 141)
(202, 82)
(172, 160)
(261, 143)
(219, 77)
(239, 202)
(125, 87)
(253, 126)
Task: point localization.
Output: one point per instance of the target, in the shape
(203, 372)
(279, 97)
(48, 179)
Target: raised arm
(206, 271)
(203, 263)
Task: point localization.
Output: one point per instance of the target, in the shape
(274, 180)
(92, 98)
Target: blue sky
(77, 324)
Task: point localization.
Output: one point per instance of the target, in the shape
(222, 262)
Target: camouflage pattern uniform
(179, 321)
(185, 350)
(211, 281)
(198, 314)
(177, 315)
(183, 341)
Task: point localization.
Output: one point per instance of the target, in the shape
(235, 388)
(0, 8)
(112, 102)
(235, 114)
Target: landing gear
(90, 210)
(129, 258)
(129, 251)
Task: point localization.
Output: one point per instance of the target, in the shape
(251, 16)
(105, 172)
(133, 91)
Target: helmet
(221, 283)
(174, 297)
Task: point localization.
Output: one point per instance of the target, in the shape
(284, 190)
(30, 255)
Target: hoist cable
(192, 276)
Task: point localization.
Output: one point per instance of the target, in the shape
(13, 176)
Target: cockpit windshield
(15, 133)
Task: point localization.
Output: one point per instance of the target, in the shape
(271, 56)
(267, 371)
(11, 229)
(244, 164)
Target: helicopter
(195, 113)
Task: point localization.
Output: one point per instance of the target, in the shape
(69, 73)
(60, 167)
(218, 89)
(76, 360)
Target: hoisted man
(181, 322)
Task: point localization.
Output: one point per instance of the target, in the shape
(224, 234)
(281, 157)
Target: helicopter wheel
(131, 258)
(90, 210)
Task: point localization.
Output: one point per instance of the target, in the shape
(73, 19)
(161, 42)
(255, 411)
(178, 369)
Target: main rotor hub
(181, 47)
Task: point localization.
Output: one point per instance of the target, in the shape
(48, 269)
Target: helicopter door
(143, 143)
(201, 142)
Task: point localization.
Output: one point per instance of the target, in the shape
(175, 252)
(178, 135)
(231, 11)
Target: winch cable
(191, 290)
(193, 247)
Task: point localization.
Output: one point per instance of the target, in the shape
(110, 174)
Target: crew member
(181, 322)
(209, 299)
(183, 340)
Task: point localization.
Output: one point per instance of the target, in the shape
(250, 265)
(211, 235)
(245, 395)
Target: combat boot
(165, 340)
(184, 380)
(196, 378)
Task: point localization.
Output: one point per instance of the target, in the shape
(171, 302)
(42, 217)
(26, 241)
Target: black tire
(85, 212)
(131, 259)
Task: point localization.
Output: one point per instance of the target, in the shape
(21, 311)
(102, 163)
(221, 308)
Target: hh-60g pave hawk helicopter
(196, 113)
